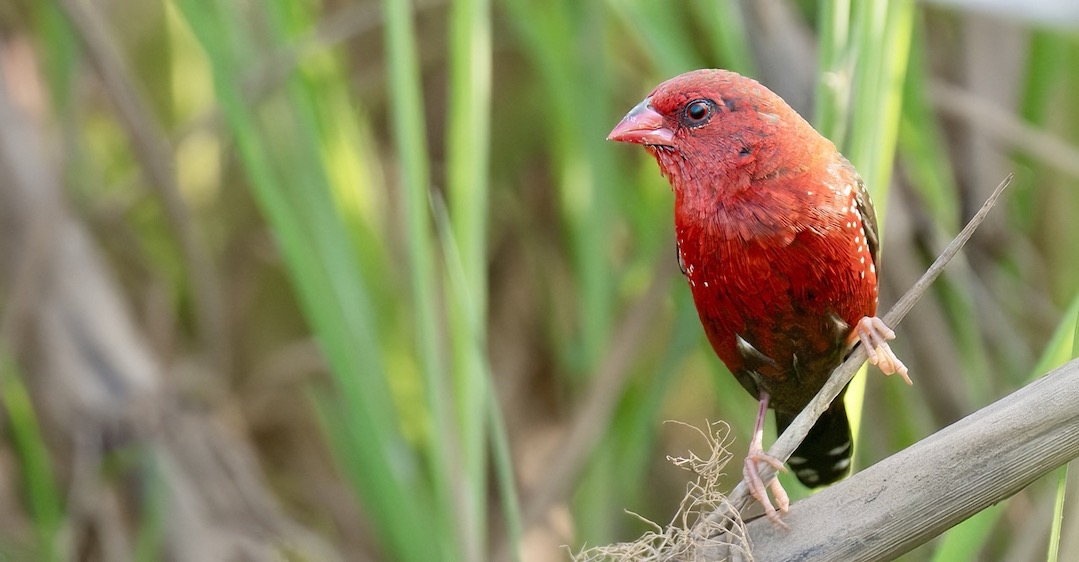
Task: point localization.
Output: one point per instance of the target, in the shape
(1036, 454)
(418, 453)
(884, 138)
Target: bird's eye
(698, 112)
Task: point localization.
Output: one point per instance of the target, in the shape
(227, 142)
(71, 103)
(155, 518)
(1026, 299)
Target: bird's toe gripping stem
(751, 473)
(751, 470)
(874, 335)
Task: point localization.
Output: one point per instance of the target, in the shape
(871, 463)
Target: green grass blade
(925, 156)
(409, 134)
(1046, 68)
(867, 37)
(662, 33)
(44, 499)
(964, 541)
(61, 50)
(882, 38)
(472, 335)
(502, 458)
(725, 27)
(1060, 348)
(467, 149)
(1058, 515)
(1062, 481)
(564, 41)
(834, 83)
(153, 525)
(277, 147)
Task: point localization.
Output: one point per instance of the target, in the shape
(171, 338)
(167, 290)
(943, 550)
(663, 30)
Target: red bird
(777, 237)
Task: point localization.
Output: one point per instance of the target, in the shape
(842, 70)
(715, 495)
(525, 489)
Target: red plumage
(777, 238)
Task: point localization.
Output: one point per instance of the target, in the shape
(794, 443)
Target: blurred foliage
(423, 190)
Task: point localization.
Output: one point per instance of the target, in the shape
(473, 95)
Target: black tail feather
(824, 457)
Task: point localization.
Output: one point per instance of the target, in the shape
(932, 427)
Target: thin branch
(796, 433)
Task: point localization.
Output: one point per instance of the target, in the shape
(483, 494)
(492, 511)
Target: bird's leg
(874, 334)
(751, 470)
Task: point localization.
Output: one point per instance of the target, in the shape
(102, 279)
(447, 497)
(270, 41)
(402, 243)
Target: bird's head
(709, 122)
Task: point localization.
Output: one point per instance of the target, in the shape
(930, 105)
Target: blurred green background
(383, 258)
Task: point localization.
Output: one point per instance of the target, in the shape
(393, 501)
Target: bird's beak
(643, 125)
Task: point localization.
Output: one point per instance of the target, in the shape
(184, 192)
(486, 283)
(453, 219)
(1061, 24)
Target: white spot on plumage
(705, 283)
(842, 465)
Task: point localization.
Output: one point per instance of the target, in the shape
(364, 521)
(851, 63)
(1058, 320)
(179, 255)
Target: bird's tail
(824, 456)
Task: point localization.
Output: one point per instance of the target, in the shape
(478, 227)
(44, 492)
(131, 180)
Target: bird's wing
(864, 204)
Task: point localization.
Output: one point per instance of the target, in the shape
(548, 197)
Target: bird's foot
(874, 334)
(751, 473)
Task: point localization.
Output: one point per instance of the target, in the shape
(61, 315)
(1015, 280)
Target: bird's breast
(777, 291)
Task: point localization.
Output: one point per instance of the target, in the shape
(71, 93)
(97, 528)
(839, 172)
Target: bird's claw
(751, 473)
(874, 335)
